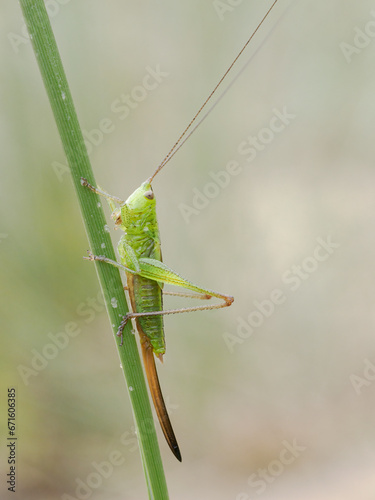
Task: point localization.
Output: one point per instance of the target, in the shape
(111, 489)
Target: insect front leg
(102, 258)
(86, 184)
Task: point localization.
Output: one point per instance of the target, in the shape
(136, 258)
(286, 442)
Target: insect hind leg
(200, 296)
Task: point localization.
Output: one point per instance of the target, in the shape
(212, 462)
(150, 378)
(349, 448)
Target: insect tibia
(100, 192)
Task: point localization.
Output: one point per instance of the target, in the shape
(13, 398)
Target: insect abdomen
(146, 296)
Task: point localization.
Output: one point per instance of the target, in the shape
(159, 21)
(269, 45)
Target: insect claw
(90, 256)
(121, 327)
(229, 300)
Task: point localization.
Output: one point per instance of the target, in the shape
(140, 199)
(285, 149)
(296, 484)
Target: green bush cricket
(140, 254)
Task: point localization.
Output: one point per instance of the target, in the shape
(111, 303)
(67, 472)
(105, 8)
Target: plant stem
(55, 82)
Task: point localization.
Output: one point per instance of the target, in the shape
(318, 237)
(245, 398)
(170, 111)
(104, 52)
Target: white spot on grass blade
(114, 302)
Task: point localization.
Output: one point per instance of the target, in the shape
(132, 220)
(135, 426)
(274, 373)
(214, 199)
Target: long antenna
(178, 143)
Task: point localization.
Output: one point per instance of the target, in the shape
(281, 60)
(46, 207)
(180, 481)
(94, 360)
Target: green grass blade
(55, 82)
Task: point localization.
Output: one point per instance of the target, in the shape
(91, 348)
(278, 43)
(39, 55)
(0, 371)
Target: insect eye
(149, 195)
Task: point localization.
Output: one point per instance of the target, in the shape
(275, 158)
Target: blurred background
(272, 398)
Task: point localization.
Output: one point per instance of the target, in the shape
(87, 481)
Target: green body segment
(147, 298)
(142, 240)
